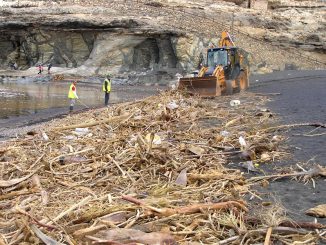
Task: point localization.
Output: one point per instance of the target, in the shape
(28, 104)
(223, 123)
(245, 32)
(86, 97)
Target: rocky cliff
(153, 37)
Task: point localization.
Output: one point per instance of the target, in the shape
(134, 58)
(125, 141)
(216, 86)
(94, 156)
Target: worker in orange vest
(72, 95)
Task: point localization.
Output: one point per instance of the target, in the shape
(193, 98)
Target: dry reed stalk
(17, 193)
(115, 159)
(268, 236)
(8, 183)
(92, 124)
(188, 209)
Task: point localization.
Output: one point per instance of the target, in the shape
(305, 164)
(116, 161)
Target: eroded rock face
(29, 48)
(90, 53)
(93, 45)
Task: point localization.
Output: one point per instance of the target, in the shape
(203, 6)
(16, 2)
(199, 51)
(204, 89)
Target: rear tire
(242, 81)
(228, 87)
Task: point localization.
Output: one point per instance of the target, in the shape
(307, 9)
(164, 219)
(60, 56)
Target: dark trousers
(72, 103)
(106, 98)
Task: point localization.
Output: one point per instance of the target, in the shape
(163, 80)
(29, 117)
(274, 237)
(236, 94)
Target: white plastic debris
(276, 138)
(172, 105)
(45, 137)
(69, 137)
(235, 102)
(81, 131)
(263, 109)
(132, 139)
(182, 178)
(249, 165)
(225, 133)
(178, 75)
(138, 117)
(242, 142)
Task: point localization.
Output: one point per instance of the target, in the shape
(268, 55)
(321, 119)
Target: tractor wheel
(229, 87)
(242, 81)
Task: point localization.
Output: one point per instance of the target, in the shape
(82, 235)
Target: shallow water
(29, 98)
(19, 98)
(26, 103)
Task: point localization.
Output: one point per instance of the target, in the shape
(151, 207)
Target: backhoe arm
(226, 40)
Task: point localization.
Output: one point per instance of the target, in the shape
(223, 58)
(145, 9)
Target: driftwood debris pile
(146, 172)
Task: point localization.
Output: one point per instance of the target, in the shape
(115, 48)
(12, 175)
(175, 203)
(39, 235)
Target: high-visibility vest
(72, 94)
(107, 88)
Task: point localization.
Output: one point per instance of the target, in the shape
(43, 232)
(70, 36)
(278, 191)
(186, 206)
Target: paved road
(302, 99)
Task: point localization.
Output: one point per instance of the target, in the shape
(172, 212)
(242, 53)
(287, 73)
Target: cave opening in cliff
(154, 54)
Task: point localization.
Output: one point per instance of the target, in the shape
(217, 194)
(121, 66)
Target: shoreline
(24, 123)
(24, 128)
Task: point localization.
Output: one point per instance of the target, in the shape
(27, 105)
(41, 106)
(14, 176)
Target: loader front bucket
(202, 86)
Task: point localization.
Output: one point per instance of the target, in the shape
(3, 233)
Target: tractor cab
(227, 57)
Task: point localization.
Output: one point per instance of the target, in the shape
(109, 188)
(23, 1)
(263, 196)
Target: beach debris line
(143, 172)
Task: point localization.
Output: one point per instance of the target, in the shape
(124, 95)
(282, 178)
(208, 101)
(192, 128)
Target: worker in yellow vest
(107, 89)
(72, 95)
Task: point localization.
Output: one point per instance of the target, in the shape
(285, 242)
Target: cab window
(217, 57)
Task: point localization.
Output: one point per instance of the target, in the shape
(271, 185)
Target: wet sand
(302, 99)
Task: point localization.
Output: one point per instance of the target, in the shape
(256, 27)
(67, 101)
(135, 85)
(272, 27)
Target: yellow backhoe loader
(226, 72)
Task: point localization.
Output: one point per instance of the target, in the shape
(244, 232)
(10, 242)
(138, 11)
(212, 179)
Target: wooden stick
(268, 236)
(228, 240)
(288, 223)
(311, 172)
(8, 183)
(37, 161)
(116, 164)
(233, 121)
(2, 242)
(140, 203)
(72, 154)
(92, 124)
(195, 208)
(211, 176)
(88, 216)
(284, 230)
(98, 241)
(47, 240)
(295, 125)
(304, 225)
(69, 210)
(17, 193)
(89, 230)
(21, 211)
